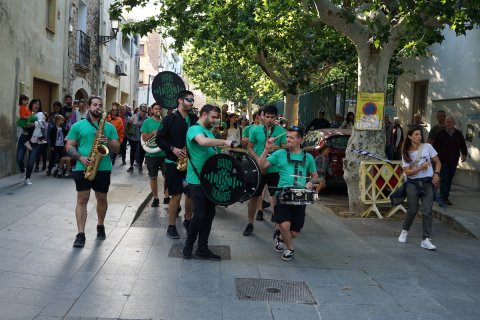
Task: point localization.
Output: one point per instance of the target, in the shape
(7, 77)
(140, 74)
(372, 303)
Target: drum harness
(296, 163)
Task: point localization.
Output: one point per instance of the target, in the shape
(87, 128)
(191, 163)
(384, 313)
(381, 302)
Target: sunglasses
(191, 100)
(295, 128)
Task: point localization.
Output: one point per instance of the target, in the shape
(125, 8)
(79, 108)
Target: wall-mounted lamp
(115, 23)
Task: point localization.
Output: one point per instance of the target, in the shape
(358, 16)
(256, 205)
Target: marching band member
(80, 142)
(171, 138)
(200, 146)
(155, 160)
(256, 144)
(294, 166)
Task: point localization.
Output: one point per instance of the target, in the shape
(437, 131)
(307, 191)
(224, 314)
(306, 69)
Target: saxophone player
(83, 136)
(171, 138)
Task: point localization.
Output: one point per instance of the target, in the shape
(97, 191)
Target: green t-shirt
(286, 169)
(148, 126)
(246, 130)
(258, 138)
(84, 133)
(198, 154)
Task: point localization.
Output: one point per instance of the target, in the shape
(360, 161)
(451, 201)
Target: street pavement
(352, 268)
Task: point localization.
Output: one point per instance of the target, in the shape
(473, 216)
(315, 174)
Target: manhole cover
(273, 290)
(176, 251)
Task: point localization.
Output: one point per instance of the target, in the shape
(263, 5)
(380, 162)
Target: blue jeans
(203, 214)
(426, 196)
(446, 177)
(21, 150)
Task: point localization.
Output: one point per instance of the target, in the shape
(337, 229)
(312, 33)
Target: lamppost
(115, 22)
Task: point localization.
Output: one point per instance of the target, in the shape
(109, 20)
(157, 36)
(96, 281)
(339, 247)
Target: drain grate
(273, 290)
(176, 251)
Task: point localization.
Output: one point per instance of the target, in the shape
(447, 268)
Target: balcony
(82, 60)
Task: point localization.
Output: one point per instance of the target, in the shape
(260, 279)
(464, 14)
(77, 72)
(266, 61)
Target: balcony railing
(83, 49)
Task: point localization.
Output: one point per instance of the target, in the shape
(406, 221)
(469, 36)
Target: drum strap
(296, 164)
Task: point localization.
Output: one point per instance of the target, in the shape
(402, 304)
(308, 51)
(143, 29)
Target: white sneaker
(28, 182)
(427, 244)
(403, 236)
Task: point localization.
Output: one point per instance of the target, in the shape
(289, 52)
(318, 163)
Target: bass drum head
(223, 179)
(252, 175)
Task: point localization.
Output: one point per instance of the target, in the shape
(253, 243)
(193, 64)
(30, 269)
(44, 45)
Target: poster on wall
(369, 113)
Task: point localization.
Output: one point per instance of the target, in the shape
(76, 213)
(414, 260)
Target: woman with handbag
(419, 160)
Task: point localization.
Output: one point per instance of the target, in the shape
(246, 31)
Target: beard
(96, 113)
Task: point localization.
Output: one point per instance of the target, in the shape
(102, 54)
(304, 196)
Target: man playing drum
(294, 166)
(201, 145)
(256, 144)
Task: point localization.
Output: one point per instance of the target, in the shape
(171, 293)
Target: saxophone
(98, 151)
(182, 163)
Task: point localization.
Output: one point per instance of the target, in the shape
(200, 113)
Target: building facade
(447, 80)
(51, 48)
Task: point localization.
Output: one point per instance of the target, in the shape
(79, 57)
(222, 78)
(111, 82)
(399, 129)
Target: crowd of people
(163, 139)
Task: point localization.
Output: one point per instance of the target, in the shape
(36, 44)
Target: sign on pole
(369, 115)
(165, 87)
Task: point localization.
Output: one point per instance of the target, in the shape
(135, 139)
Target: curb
(451, 221)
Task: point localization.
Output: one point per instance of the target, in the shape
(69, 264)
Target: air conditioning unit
(121, 68)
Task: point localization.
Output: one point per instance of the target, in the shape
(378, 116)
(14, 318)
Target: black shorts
(287, 212)
(174, 179)
(101, 183)
(154, 164)
(271, 180)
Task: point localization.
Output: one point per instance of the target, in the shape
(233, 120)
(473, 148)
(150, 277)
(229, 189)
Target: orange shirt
(25, 113)
(118, 124)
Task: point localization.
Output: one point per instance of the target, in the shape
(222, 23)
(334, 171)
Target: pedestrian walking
(133, 134)
(81, 139)
(417, 159)
(450, 145)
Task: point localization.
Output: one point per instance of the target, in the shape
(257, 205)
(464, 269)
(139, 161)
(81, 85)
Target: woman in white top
(417, 160)
(233, 131)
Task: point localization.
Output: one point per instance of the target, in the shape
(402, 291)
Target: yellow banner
(369, 115)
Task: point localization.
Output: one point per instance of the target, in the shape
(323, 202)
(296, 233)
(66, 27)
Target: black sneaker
(49, 172)
(101, 232)
(37, 169)
(259, 216)
(79, 240)
(155, 203)
(207, 255)
(124, 163)
(447, 202)
(130, 169)
(172, 232)
(187, 252)
(248, 230)
(166, 200)
(140, 170)
(265, 204)
(186, 223)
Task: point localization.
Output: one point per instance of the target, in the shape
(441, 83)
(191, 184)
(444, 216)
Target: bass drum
(230, 177)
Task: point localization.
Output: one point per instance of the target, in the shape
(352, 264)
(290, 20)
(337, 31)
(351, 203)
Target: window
(140, 76)
(141, 50)
(420, 96)
(127, 43)
(51, 10)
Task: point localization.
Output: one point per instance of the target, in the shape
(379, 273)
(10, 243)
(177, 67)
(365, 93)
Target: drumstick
(279, 136)
(234, 149)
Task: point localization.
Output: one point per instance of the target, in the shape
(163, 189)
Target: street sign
(165, 87)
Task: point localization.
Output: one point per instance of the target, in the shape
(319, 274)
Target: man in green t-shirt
(80, 141)
(256, 144)
(246, 130)
(201, 145)
(155, 156)
(294, 166)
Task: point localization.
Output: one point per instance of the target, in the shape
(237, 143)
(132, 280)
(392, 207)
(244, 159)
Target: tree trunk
(290, 111)
(249, 108)
(372, 77)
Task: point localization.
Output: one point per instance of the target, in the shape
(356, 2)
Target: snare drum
(229, 178)
(297, 197)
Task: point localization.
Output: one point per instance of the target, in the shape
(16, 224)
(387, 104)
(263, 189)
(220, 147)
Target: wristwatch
(437, 173)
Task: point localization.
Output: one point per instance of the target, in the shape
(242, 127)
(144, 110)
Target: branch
(262, 62)
(331, 15)
(323, 73)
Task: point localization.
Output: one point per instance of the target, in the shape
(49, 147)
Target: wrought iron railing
(83, 49)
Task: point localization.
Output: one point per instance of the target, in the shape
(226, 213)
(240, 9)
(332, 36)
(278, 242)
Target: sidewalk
(351, 268)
